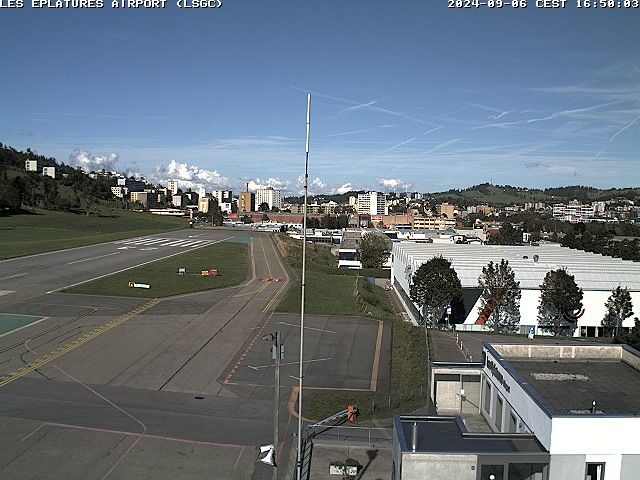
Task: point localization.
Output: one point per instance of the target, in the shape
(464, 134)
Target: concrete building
(119, 191)
(372, 203)
(433, 223)
(446, 210)
(348, 256)
(270, 196)
(49, 172)
(31, 165)
(574, 212)
(179, 200)
(548, 411)
(224, 199)
(246, 202)
(142, 197)
(132, 184)
(597, 275)
(206, 204)
(172, 186)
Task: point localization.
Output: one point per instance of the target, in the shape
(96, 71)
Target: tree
(619, 308)
(500, 298)
(263, 207)
(374, 249)
(507, 235)
(560, 301)
(434, 285)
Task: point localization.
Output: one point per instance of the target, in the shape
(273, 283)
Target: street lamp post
(277, 352)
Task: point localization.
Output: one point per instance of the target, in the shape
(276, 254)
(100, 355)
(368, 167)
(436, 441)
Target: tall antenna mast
(304, 265)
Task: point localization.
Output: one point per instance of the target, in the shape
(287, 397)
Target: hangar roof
(591, 271)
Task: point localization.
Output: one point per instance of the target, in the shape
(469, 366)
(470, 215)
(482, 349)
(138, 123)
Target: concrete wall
(539, 351)
(567, 467)
(422, 466)
(595, 434)
(630, 468)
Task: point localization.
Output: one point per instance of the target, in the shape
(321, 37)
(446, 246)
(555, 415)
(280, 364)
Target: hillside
(72, 190)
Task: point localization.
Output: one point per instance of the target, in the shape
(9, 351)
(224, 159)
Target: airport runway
(25, 278)
(93, 391)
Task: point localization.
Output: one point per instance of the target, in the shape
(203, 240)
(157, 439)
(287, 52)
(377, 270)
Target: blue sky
(405, 95)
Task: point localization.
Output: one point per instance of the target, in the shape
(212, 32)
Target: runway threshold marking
(75, 343)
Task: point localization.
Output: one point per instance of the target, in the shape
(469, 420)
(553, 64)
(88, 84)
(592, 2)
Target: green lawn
(229, 258)
(46, 231)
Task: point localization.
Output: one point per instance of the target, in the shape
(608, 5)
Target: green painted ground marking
(244, 239)
(13, 321)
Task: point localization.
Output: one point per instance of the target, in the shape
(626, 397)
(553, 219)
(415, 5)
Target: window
(487, 396)
(513, 423)
(492, 472)
(526, 471)
(499, 413)
(595, 471)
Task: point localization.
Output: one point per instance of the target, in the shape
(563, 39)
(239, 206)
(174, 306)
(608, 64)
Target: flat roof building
(567, 410)
(596, 274)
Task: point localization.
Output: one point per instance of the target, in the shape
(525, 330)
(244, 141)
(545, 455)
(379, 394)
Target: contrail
(410, 140)
(624, 128)
(357, 107)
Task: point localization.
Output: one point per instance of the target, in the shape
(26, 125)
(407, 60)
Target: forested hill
(15, 158)
(508, 195)
(72, 190)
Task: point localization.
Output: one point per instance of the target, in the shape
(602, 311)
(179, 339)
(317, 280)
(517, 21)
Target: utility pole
(277, 353)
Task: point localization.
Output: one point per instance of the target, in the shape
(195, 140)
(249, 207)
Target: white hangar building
(597, 275)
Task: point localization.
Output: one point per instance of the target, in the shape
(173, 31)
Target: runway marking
(138, 265)
(262, 288)
(14, 276)
(93, 258)
(145, 435)
(307, 328)
(235, 465)
(376, 358)
(34, 432)
(75, 343)
(265, 257)
(290, 363)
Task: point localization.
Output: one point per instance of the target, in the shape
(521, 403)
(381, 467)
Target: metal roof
(591, 271)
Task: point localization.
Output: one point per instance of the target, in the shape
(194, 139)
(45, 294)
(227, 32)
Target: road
(114, 387)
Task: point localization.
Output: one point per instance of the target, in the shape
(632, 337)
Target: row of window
(493, 405)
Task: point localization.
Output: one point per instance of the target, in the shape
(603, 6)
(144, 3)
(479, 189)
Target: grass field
(45, 231)
(336, 294)
(229, 258)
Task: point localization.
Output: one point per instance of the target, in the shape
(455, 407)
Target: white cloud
(189, 176)
(347, 187)
(89, 162)
(394, 184)
(275, 183)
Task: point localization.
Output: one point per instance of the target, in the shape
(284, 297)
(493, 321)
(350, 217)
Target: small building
(49, 172)
(31, 165)
(246, 202)
(565, 411)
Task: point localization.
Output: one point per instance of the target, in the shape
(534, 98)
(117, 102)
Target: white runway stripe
(165, 242)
